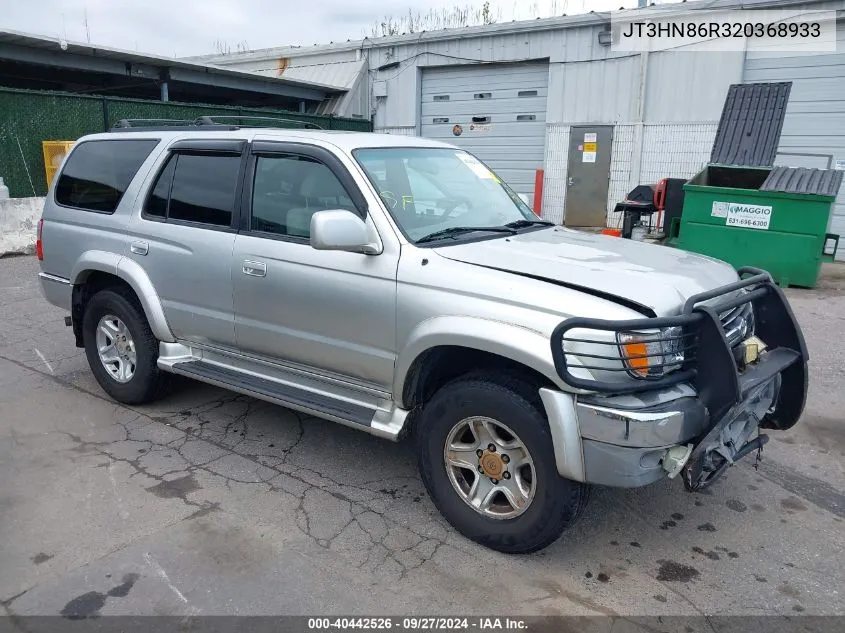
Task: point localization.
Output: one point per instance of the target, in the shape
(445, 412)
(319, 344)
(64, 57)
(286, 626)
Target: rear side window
(195, 188)
(97, 173)
(157, 202)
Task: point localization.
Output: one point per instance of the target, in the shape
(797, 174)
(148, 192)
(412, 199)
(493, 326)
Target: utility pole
(87, 30)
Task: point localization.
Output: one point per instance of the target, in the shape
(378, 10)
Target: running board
(272, 391)
(357, 406)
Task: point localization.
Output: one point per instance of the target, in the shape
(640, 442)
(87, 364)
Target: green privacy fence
(28, 117)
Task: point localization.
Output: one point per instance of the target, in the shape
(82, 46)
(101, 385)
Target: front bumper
(625, 448)
(726, 404)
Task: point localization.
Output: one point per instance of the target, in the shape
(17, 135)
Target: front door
(588, 175)
(330, 311)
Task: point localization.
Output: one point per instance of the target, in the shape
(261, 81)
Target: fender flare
(522, 345)
(519, 344)
(132, 273)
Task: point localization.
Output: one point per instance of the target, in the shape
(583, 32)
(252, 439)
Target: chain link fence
(28, 117)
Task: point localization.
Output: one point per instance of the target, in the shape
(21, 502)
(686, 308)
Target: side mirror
(339, 230)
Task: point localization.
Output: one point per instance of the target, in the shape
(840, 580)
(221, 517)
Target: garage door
(495, 111)
(814, 127)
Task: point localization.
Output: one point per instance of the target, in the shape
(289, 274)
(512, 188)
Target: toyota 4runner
(397, 285)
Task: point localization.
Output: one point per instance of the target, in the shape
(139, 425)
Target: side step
(279, 393)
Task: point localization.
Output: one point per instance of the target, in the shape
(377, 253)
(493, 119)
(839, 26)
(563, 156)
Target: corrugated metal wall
(402, 130)
(665, 105)
(815, 115)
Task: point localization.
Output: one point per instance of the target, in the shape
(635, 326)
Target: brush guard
(741, 398)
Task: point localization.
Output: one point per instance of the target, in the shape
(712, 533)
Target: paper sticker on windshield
(477, 167)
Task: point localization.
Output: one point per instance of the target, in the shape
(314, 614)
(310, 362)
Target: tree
(222, 47)
(436, 19)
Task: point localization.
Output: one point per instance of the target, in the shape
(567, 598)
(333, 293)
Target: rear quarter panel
(68, 233)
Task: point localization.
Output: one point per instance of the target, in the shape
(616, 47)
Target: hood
(645, 276)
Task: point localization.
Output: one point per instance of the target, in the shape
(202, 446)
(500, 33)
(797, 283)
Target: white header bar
(776, 30)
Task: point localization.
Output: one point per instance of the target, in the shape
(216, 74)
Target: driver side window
(288, 189)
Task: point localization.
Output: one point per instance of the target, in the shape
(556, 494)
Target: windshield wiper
(457, 230)
(521, 224)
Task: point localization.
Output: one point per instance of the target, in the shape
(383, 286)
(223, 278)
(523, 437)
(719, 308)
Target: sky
(179, 28)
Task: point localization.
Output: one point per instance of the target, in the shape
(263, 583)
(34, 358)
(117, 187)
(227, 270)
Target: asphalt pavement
(209, 502)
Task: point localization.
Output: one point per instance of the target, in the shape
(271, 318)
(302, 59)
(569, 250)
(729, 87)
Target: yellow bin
(54, 154)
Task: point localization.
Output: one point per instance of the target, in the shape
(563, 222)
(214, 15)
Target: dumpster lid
(749, 129)
(820, 182)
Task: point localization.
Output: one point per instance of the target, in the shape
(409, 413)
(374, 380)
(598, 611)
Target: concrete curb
(19, 224)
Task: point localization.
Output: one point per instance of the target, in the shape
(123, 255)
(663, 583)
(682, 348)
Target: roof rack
(224, 120)
(233, 122)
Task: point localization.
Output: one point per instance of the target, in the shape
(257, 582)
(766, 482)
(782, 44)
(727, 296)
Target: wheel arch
(445, 347)
(96, 270)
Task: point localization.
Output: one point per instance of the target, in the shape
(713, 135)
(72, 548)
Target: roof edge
(515, 26)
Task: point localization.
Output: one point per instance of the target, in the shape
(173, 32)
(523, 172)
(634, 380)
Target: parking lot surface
(209, 502)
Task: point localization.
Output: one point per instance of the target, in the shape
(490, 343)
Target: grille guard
(714, 372)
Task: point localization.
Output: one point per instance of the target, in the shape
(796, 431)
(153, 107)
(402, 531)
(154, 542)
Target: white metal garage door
(499, 111)
(814, 127)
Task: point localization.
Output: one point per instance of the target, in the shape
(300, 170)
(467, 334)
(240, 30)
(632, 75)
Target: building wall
(677, 150)
(664, 105)
(588, 83)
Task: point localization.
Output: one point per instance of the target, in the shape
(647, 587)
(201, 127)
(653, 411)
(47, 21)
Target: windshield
(442, 191)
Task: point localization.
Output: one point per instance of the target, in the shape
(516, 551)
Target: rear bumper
(57, 290)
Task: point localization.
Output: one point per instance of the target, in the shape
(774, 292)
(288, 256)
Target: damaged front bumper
(710, 410)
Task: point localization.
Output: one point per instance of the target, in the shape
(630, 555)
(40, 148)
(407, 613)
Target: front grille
(738, 323)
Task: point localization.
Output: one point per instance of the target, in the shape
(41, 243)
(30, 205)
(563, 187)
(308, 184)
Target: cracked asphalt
(213, 503)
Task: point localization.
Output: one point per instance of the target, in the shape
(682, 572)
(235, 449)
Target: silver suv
(396, 285)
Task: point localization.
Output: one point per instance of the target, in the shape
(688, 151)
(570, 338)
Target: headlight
(652, 354)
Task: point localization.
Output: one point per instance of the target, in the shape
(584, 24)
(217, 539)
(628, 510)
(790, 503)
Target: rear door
(184, 236)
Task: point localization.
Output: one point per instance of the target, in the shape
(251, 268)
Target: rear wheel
(121, 349)
(486, 458)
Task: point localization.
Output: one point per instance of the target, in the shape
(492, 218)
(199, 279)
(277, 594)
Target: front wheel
(486, 459)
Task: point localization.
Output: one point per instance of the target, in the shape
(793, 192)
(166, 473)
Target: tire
(147, 382)
(556, 502)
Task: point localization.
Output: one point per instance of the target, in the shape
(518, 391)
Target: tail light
(39, 249)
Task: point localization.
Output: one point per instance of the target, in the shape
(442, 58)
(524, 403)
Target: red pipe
(538, 192)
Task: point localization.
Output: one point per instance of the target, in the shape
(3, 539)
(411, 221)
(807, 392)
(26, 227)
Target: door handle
(139, 248)
(571, 181)
(254, 269)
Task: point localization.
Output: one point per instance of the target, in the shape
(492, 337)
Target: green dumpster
(746, 212)
(728, 216)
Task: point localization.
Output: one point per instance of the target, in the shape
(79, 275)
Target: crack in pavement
(356, 526)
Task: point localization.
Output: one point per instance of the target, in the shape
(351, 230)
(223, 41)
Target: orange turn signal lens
(636, 357)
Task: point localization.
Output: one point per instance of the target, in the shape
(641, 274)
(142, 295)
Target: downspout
(637, 158)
